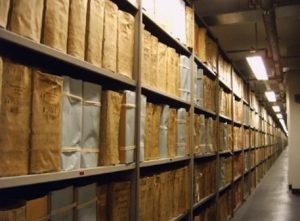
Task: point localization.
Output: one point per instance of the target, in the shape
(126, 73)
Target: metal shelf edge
(7, 182)
(157, 92)
(163, 161)
(199, 156)
(203, 201)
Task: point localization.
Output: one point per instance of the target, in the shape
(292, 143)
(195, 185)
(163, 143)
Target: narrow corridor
(272, 200)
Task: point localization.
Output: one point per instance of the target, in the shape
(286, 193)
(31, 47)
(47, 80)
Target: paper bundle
(127, 128)
(71, 123)
(15, 114)
(55, 30)
(90, 125)
(94, 32)
(26, 18)
(46, 123)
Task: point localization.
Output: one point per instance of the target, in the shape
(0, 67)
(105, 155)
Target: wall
(293, 112)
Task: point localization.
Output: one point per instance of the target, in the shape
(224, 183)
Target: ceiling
(266, 27)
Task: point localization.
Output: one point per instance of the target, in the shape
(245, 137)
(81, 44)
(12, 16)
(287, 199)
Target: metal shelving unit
(48, 58)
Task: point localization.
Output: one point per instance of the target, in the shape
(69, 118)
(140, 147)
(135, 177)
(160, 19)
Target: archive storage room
(149, 110)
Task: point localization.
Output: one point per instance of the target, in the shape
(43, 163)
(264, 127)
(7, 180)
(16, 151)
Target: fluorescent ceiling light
(279, 116)
(276, 108)
(257, 66)
(270, 96)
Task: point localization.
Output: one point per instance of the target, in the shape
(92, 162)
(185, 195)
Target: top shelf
(163, 35)
(158, 96)
(206, 69)
(61, 63)
(225, 86)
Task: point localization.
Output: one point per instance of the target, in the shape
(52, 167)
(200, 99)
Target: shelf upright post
(134, 212)
(192, 111)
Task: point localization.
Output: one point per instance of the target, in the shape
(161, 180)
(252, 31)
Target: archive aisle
(110, 111)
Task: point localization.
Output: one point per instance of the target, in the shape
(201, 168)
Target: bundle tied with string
(142, 127)
(77, 28)
(62, 204)
(94, 32)
(4, 8)
(162, 66)
(196, 133)
(119, 201)
(185, 78)
(202, 145)
(15, 112)
(55, 30)
(26, 18)
(110, 36)
(199, 88)
(172, 131)
(37, 209)
(71, 123)
(102, 203)
(109, 134)
(125, 44)
(163, 132)
(146, 58)
(181, 132)
(12, 210)
(127, 128)
(46, 123)
(86, 198)
(90, 125)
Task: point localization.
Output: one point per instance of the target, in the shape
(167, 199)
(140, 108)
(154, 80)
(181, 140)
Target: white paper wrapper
(127, 128)
(163, 132)
(178, 24)
(202, 134)
(86, 198)
(90, 124)
(181, 133)
(62, 204)
(142, 127)
(71, 123)
(185, 78)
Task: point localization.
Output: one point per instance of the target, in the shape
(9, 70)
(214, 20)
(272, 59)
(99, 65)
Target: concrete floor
(272, 200)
